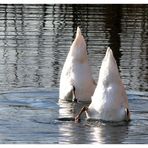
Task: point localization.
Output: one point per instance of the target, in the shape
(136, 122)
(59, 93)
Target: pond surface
(29, 115)
(34, 42)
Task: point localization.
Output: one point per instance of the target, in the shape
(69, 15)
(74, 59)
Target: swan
(109, 101)
(76, 81)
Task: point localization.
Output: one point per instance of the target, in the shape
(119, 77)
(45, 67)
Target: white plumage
(109, 101)
(76, 78)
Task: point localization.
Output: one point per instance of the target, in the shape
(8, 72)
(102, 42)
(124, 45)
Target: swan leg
(74, 99)
(127, 114)
(83, 109)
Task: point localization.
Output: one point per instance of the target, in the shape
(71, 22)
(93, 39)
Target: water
(34, 42)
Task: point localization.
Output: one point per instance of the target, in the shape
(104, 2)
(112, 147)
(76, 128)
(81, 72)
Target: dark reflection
(134, 36)
(113, 25)
(16, 22)
(80, 18)
(35, 40)
(144, 50)
(5, 32)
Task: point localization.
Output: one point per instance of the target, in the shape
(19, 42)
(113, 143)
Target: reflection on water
(30, 115)
(89, 131)
(110, 134)
(35, 40)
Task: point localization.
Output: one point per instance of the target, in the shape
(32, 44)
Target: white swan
(76, 80)
(109, 101)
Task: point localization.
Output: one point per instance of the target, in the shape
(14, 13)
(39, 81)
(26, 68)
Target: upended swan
(76, 81)
(109, 101)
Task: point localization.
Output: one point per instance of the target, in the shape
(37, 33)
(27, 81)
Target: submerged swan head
(109, 101)
(78, 48)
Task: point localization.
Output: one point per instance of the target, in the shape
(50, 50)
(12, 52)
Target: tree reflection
(113, 25)
(35, 40)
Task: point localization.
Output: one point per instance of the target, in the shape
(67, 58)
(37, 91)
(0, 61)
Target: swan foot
(77, 118)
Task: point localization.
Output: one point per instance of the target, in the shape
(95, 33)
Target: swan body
(76, 79)
(109, 101)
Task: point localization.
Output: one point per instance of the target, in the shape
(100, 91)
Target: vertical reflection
(5, 51)
(5, 33)
(134, 58)
(80, 18)
(69, 131)
(144, 50)
(35, 40)
(76, 18)
(86, 28)
(40, 48)
(58, 23)
(110, 133)
(10, 45)
(16, 37)
(113, 25)
(88, 131)
(55, 62)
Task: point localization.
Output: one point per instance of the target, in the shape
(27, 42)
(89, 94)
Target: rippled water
(34, 42)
